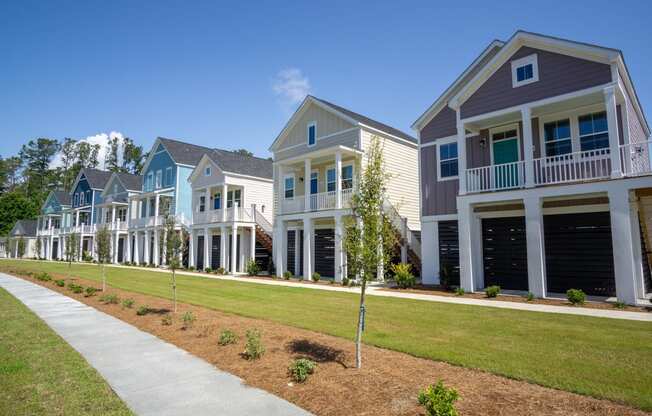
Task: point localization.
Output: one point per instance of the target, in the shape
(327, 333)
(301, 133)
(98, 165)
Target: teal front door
(506, 172)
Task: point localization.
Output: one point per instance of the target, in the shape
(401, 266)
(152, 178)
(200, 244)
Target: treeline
(27, 178)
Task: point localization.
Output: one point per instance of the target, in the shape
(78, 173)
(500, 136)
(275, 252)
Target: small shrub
(43, 277)
(221, 270)
(492, 291)
(254, 348)
(301, 368)
(459, 291)
(252, 268)
(60, 282)
(345, 281)
(166, 320)
(529, 297)
(86, 256)
(619, 305)
(191, 268)
(188, 320)
(576, 296)
(208, 270)
(142, 310)
(403, 275)
(315, 277)
(77, 289)
(287, 275)
(438, 400)
(128, 303)
(110, 298)
(90, 291)
(332, 282)
(227, 337)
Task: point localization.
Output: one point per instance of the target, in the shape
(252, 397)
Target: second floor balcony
(317, 202)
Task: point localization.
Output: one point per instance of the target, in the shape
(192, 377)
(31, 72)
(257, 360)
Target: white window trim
(573, 116)
(168, 169)
(208, 171)
(502, 129)
(158, 181)
(294, 185)
(344, 164)
(438, 144)
(313, 171)
(150, 181)
(311, 124)
(517, 63)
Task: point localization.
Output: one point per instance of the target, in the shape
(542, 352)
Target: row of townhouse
(531, 171)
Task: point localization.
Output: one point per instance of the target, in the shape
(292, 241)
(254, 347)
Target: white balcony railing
(289, 205)
(323, 200)
(496, 177)
(320, 201)
(573, 167)
(635, 158)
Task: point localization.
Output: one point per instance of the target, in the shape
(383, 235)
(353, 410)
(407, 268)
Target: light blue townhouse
(49, 224)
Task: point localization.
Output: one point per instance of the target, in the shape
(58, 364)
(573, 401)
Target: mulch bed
(387, 384)
(439, 291)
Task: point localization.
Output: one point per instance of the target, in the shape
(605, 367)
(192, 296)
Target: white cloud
(103, 140)
(291, 85)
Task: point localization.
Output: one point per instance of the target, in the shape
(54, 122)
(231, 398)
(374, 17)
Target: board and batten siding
(558, 74)
(259, 192)
(401, 163)
(327, 123)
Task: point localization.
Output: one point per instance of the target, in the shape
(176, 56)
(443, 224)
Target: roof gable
(181, 153)
(230, 162)
(26, 228)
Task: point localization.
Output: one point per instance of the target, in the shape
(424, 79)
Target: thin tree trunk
(103, 278)
(358, 335)
(174, 289)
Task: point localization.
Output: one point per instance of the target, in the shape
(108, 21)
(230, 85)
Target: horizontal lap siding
(558, 74)
(437, 198)
(327, 123)
(444, 124)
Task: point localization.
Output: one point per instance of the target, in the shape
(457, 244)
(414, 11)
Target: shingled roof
(63, 197)
(130, 181)
(26, 228)
(96, 178)
(184, 153)
(234, 162)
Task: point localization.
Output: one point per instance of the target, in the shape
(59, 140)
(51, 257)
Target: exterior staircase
(409, 243)
(644, 201)
(264, 231)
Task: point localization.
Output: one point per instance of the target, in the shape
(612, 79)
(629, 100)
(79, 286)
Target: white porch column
(528, 146)
(136, 256)
(339, 252)
(81, 246)
(465, 227)
(461, 154)
(612, 123)
(113, 216)
(223, 203)
(279, 244)
(191, 248)
(77, 218)
(338, 180)
(116, 241)
(534, 235)
(207, 202)
(307, 248)
(157, 249)
(252, 243)
(207, 248)
(623, 245)
(127, 257)
(430, 253)
(156, 209)
(146, 247)
(234, 251)
(306, 183)
(223, 247)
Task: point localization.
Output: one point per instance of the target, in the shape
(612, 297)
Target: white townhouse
(318, 157)
(232, 211)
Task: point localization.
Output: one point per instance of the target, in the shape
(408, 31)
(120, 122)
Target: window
(202, 203)
(314, 182)
(107, 216)
(159, 177)
(289, 187)
(347, 177)
(150, 181)
(122, 214)
(594, 133)
(76, 199)
(217, 201)
(312, 133)
(331, 183)
(88, 197)
(207, 171)
(233, 198)
(168, 176)
(525, 71)
(115, 188)
(448, 161)
(557, 137)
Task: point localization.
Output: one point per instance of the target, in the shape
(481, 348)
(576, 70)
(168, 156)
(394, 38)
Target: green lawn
(605, 358)
(40, 374)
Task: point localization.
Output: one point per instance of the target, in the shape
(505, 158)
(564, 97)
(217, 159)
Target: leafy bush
(128, 303)
(227, 337)
(188, 320)
(208, 270)
(576, 296)
(529, 297)
(345, 281)
(459, 291)
(315, 277)
(90, 291)
(60, 282)
(167, 319)
(221, 270)
(142, 310)
(43, 277)
(492, 291)
(86, 256)
(110, 298)
(403, 275)
(252, 268)
(77, 289)
(191, 268)
(300, 369)
(619, 305)
(287, 275)
(438, 400)
(254, 348)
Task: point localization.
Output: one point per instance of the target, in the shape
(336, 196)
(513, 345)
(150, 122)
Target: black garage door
(449, 250)
(579, 253)
(291, 255)
(215, 252)
(325, 252)
(504, 253)
(200, 252)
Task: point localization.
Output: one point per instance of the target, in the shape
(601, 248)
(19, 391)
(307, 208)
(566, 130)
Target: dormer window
(525, 71)
(312, 133)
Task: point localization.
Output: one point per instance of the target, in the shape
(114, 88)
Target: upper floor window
(557, 137)
(115, 188)
(331, 182)
(122, 214)
(202, 203)
(314, 182)
(207, 171)
(149, 182)
(168, 176)
(312, 133)
(525, 71)
(594, 132)
(75, 199)
(107, 216)
(88, 197)
(347, 177)
(448, 161)
(233, 199)
(217, 201)
(159, 177)
(289, 187)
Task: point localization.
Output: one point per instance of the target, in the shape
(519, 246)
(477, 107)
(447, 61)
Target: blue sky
(229, 75)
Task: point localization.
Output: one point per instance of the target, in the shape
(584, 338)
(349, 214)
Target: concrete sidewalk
(151, 376)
